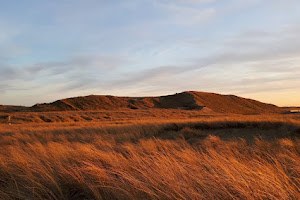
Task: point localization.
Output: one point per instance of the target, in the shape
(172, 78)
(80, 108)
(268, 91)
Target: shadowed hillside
(185, 101)
(233, 104)
(6, 108)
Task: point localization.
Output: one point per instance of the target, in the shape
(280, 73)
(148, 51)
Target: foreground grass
(150, 169)
(152, 160)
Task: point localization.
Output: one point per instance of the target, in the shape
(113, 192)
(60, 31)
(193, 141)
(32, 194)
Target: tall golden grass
(170, 160)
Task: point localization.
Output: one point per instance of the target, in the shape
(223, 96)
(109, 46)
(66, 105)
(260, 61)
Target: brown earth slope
(233, 104)
(186, 100)
(6, 108)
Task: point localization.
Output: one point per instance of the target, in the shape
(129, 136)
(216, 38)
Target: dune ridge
(189, 100)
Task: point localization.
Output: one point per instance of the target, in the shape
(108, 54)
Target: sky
(54, 49)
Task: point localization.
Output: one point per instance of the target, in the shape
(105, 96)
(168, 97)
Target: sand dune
(186, 101)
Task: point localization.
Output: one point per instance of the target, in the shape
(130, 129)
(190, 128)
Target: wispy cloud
(268, 61)
(259, 67)
(81, 62)
(76, 72)
(146, 47)
(186, 14)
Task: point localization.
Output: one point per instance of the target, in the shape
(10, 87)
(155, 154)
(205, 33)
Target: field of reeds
(250, 157)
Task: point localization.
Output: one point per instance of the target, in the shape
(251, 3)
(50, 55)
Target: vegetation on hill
(185, 100)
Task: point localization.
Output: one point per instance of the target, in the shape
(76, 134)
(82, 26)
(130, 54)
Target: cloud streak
(148, 47)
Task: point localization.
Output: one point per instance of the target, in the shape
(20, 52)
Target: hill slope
(6, 108)
(186, 100)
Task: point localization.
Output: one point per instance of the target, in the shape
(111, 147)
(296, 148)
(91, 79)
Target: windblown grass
(150, 161)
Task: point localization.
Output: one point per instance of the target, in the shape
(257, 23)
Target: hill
(6, 108)
(186, 100)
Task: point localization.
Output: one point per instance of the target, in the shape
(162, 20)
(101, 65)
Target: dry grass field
(200, 157)
(150, 100)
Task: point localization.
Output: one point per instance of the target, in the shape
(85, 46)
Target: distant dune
(6, 108)
(186, 101)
